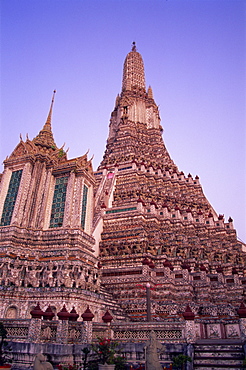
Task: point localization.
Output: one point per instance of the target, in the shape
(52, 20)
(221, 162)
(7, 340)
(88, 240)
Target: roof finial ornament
(48, 121)
(134, 48)
(45, 136)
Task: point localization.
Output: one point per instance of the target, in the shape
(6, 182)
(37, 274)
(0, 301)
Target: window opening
(10, 199)
(58, 204)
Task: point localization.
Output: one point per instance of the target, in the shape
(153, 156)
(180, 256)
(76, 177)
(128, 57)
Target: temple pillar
(242, 326)
(190, 331)
(69, 200)
(48, 200)
(62, 332)
(22, 194)
(88, 331)
(39, 197)
(34, 330)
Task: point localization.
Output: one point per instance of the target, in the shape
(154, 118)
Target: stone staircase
(105, 185)
(218, 354)
(112, 304)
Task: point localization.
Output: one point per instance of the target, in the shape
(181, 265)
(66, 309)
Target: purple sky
(194, 55)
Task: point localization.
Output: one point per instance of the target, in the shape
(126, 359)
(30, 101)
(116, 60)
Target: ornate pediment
(85, 164)
(23, 149)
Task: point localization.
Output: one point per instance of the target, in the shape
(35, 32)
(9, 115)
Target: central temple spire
(133, 72)
(135, 132)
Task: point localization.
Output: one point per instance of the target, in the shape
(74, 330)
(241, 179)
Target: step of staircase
(113, 304)
(216, 355)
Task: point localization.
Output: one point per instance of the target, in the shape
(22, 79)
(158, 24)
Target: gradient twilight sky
(194, 53)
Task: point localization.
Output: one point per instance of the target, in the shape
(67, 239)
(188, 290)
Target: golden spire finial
(134, 48)
(48, 121)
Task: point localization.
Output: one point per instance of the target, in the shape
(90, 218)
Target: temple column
(88, 331)
(34, 330)
(22, 194)
(29, 216)
(47, 203)
(69, 200)
(76, 214)
(62, 332)
(39, 196)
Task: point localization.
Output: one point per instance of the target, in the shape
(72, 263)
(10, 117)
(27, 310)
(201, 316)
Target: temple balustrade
(170, 330)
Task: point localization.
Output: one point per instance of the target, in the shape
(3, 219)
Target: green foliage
(101, 352)
(92, 365)
(86, 352)
(120, 363)
(61, 153)
(180, 360)
(105, 350)
(244, 363)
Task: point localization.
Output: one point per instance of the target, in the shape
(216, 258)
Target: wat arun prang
(74, 237)
(158, 226)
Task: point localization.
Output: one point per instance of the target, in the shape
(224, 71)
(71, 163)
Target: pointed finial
(45, 136)
(48, 121)
(134, 48)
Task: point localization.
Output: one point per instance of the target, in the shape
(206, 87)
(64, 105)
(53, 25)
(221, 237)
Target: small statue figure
(67, 272)
(40, 363)
(32, 275)
(49, 279)
(14, 273)
(152, 360)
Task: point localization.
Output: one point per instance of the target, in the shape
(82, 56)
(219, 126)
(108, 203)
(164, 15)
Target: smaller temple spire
(150, 93)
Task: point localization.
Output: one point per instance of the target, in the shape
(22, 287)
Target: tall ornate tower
(46, 244)
(155, 224)
(135, 130)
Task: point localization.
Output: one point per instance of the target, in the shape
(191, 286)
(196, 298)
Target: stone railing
(79, 332)
(64, 340)
(82, 332)
(46, 331)
(165, 331)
